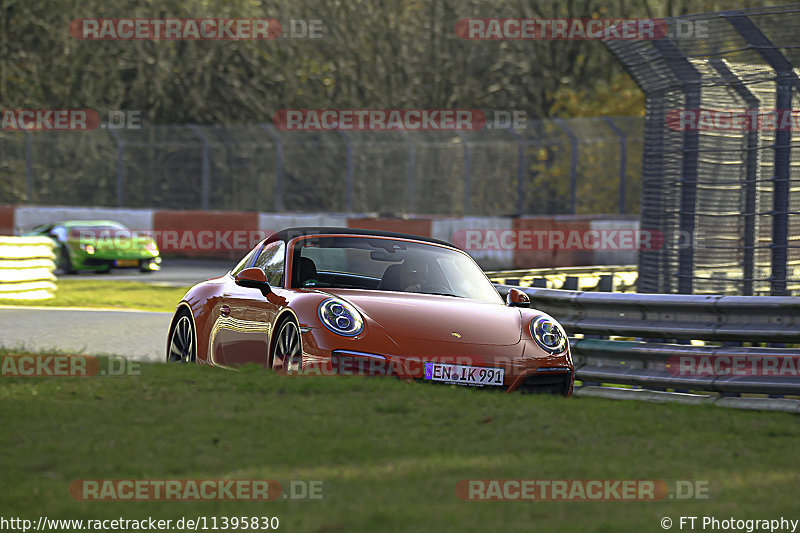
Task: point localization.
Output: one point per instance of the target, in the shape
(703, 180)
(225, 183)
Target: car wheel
(287, 351)
(64, 261)
(182, 346)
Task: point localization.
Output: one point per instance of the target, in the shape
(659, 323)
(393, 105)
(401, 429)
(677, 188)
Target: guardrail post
(279, 179)
(573, 165)
(751, 170)
(785, 80)
(205, 177)
(120, 178)
(348, 143)
(28, 167)
(623, 162)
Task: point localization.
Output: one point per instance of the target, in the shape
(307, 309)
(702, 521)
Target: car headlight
(151, 247)
(549, 335)
(88, 248)
(340, 317)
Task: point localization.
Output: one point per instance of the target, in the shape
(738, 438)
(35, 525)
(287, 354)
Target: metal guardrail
(664, 326)
(617, 278)
(26, 268)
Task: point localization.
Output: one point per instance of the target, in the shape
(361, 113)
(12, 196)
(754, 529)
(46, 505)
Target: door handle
(225, 310)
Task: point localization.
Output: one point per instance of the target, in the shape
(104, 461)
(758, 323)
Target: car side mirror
(253, 278)
(517, 298)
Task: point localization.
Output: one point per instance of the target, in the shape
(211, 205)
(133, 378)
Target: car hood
(437, 318)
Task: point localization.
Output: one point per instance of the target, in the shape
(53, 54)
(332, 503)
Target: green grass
(389, 453)
(110, 294)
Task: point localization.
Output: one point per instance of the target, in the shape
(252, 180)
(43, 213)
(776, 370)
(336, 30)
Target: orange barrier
(7, 219)
(227, 234)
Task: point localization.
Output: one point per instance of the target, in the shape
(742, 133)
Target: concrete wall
(230, 234)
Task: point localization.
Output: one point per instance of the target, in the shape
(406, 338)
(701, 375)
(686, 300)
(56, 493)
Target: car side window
(271, 261)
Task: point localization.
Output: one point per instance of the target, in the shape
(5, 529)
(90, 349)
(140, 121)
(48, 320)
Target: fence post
(120, 179)
(520, 170)
(785, 80)
(467, 173)
(279, 179)
(751, 169)
(411, 156)
(623, 161)
(573, 164)
(348, 143)
(28, 167)
(689, 78)
(205, 177)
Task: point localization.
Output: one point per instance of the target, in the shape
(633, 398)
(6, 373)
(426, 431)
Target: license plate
(464, 375)
(126, 263)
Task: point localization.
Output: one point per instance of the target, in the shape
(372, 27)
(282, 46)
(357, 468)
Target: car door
(245, 315)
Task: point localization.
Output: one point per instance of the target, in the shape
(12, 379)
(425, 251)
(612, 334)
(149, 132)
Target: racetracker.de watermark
(502, 29)
(68, 119)
(37, 366)
(98, 240)
(379, 119)
(195, 489)
(735, 365)
(581, 489)
(175, 29)
(540, 240)
(733, 120)
(375, 120)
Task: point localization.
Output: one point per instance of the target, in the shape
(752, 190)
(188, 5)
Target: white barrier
(26, 268)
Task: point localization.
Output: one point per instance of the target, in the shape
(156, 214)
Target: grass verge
(111, 295)
(389, 453)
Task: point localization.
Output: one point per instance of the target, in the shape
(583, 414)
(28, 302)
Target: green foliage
(93, 292)
(375, 53)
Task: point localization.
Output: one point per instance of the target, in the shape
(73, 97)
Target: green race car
(99, 246)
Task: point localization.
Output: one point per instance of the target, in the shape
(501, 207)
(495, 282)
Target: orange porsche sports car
(334, 301)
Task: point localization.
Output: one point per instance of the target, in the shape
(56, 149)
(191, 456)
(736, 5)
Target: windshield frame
(291, 255)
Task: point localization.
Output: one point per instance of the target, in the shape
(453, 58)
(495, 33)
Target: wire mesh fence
(720, 175)
(584, 166)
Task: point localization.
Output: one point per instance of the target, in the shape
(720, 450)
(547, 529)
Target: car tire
(287, 348)
(64, 260)
(182, 347)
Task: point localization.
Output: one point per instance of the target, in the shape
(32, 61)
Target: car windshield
(104, 230)
(378, 263)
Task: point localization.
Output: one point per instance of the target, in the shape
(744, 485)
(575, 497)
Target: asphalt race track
(137, 335)
(173, 272)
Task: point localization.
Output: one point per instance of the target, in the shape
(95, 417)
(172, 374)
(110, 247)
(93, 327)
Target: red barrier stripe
(191, 242)
(7, 219)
